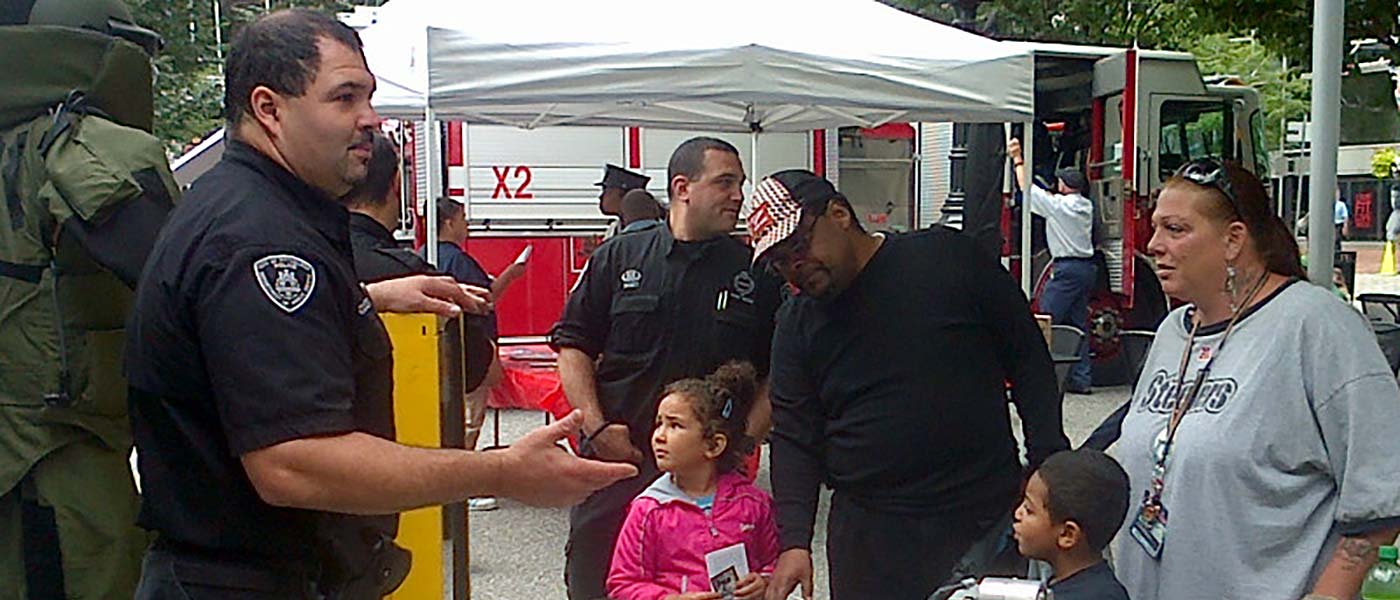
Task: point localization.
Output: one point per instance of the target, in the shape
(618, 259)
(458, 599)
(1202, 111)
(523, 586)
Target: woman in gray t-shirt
(1262, 438)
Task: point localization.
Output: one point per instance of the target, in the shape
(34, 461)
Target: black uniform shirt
(894, 391)
(378, 256)
(249, 330)
(658, 310)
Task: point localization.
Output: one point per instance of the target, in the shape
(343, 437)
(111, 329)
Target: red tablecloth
(527, 383)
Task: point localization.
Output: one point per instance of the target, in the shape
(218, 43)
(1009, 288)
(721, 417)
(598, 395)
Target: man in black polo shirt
(374, 214)
(889, 385)
(260, 373)
(657, 305)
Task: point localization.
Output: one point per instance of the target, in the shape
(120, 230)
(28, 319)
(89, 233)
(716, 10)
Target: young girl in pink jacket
(702, 502)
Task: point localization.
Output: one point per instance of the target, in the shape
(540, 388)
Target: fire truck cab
(1127, 119)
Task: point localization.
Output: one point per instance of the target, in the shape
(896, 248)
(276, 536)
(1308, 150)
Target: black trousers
(874, 554)
(166, 575)
(593, 529)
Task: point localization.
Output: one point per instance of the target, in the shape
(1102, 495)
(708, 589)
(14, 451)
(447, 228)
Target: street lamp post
(1326, 117)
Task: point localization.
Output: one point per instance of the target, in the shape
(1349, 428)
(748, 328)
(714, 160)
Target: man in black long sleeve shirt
(889, 375)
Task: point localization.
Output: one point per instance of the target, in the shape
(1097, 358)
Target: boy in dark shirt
(1074, 504)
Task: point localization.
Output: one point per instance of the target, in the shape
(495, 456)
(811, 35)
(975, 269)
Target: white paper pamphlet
(726, 567)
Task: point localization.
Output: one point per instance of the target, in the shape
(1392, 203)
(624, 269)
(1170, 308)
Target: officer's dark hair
(373, 190)
(689, 159)
(1088, 487)
(448, 209)
(721, 402)
(279, 51)
(639, 204)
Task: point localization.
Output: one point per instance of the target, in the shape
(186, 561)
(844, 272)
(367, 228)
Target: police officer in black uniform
(374, 214)
(260, 373)
(657, 305)
(616, 182)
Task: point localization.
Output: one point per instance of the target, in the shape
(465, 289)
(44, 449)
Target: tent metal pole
(1028, 151)
(753, 151)
(434, 183)
(1326, 118)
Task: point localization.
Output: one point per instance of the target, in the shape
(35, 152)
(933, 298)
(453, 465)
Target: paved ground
(1368, 262)
(518, 551)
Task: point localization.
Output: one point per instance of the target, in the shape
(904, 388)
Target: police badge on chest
(741, 289)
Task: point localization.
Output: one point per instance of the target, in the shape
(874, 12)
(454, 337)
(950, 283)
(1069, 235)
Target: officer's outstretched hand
(540, 473)
(794, 567)
(438, 294)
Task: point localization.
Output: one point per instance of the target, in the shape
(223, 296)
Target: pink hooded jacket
(661, 549)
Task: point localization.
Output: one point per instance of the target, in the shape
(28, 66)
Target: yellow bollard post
(1388, 259)
(429, 412)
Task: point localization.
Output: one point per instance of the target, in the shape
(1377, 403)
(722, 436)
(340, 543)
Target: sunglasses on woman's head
(1208, 172)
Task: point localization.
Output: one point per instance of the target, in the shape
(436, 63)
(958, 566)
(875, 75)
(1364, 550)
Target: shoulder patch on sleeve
(287, 280)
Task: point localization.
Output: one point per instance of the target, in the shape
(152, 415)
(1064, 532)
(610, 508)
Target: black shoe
(1084, 391)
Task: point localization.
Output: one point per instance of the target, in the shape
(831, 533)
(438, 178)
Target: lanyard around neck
(1184, 401)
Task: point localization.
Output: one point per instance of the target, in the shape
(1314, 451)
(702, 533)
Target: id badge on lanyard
(1149, 526)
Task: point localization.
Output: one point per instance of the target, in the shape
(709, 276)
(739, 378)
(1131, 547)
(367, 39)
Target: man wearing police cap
(616, 182)
(84, 188)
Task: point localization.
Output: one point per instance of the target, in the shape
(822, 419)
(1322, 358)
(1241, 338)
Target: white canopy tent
(724, 65)
(782, 65)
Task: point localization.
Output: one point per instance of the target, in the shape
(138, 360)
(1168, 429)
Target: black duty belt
(224, 567)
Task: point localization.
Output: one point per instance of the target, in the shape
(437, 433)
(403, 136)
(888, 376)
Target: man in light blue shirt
(1069, 223)
(1341, 216)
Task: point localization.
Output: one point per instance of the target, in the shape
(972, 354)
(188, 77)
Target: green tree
(1286, 27)
(1282, 94)
(1153, 24)
(1283, 26)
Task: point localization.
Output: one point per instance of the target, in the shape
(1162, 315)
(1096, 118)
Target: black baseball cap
(1072, 178)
